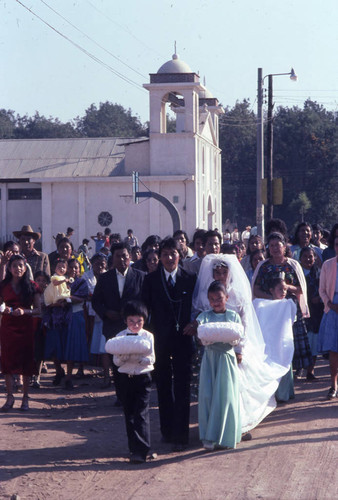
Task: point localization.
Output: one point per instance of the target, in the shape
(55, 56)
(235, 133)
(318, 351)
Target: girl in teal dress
(218, 400)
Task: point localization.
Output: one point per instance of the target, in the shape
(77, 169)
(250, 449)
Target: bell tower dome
(174, 83)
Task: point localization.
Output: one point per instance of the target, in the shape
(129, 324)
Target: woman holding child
(64, 320)
(276, 264)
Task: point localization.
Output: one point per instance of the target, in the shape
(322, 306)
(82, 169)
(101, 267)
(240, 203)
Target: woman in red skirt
(21, 301)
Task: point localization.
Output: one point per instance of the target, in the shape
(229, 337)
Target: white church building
(86, 183)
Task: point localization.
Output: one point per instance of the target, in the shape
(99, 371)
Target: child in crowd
(58, 289)
(278, 291)
(42, 279)
(218, 400)
(133, 351)
(254, 258)
(278, 288)
(311, 272)
(99, 241)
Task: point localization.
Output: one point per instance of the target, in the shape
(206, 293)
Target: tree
(171, 124)
(300, 205)
(238, 144)
(40, 127)
(305, 156)
(110, 120)
(7, 124)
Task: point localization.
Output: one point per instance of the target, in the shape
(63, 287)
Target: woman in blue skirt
(76, 347)
(328, 331)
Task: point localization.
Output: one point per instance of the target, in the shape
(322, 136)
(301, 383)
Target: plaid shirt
(38, 261)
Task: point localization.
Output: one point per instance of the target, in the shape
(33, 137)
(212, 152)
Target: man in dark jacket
(113, 290)
(167, 293)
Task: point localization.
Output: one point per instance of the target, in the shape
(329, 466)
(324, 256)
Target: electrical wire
(91, 39)
(125, 29)
(224, 122)
(79, 47)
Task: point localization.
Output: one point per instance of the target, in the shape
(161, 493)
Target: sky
(79, 52)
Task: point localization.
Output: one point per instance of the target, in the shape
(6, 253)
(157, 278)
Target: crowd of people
(248, 315)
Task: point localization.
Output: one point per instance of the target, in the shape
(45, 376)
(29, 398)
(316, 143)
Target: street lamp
(260, 148)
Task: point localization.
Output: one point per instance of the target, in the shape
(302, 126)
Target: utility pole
(260, 149)
(260, 156)
(269, 136)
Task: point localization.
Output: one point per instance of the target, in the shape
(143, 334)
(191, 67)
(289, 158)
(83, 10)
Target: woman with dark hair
(328, 331)
(302, 239)
(148, 262)
(93, 321)
(152, 242)
(316, 308)
(65, 250)
(329, 252)
(76, 347)
(278, 263)
(21, 298)
(276, 226)
(182, 238)
(66, 337)
(11, 248)
(152, 260)
(136, 253)
(255, 257)
(317, 235)
(255, 243)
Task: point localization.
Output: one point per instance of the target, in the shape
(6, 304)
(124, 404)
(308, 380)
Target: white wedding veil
(238, 286)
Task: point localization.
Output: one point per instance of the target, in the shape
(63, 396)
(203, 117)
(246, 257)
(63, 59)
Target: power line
(91, 39)
(304, 90)
(225, 122)
(79, 47)
(124, 29)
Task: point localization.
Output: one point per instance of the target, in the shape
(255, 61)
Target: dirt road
(73, 446)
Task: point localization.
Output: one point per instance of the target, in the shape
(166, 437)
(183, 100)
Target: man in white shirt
(114, 289)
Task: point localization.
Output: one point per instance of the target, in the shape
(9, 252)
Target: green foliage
(107, 120)
(40, 127)
(171, 124)
(300, 205)
(110, 120)
(305, 156)
(238, 144)
(7, 124)
(36, 127)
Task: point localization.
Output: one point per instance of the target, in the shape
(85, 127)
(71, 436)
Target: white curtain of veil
(259, 375)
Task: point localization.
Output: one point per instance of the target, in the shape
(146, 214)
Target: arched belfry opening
(172, 113)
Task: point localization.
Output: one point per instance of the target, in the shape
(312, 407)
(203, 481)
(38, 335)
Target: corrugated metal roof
(80, 157)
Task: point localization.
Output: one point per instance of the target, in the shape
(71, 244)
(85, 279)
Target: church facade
(86, 183)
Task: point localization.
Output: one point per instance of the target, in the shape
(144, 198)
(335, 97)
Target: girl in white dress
(258, 375)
